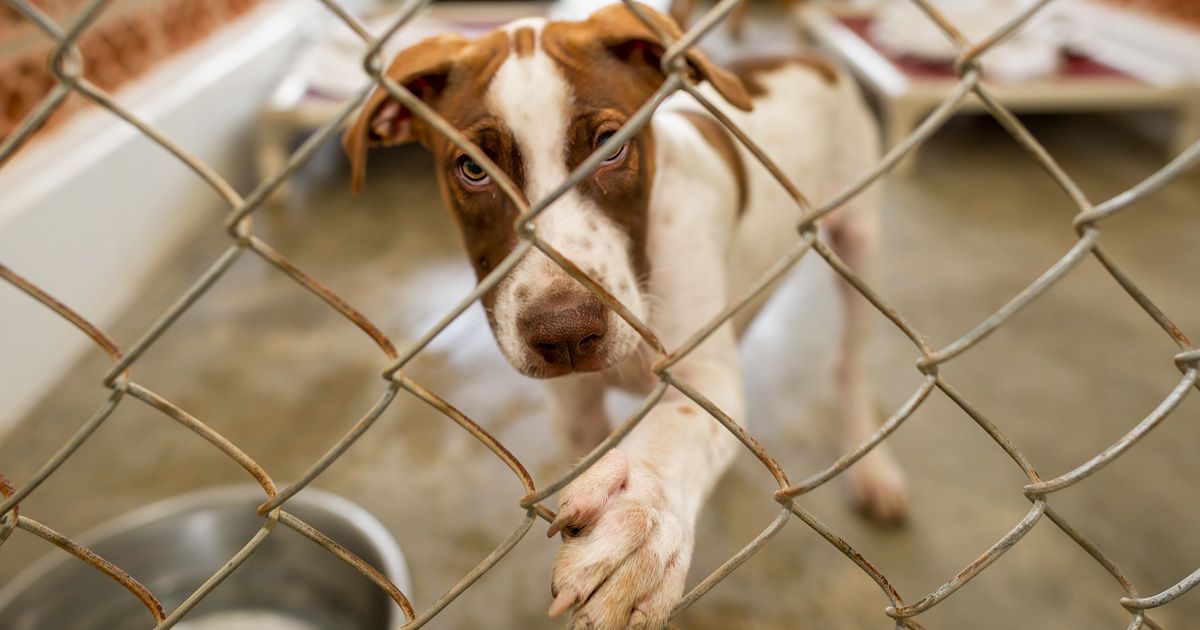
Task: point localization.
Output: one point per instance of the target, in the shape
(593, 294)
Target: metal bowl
(289, 583)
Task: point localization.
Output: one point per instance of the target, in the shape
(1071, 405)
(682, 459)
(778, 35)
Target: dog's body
(675, 223)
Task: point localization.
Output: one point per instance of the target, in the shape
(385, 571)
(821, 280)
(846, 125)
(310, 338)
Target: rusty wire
(67, 65)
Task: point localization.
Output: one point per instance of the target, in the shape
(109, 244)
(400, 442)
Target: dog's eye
(617, 152)
(471, 171)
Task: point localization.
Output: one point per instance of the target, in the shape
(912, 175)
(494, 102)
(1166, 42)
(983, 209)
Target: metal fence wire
(67, 65)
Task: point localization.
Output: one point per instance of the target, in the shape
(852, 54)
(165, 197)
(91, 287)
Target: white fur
(632, 515)
(702, 256)
(573, 224)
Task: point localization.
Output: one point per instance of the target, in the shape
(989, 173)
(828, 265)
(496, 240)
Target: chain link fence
(67, 66)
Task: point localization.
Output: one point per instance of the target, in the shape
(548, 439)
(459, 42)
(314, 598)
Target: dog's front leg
(628, 522)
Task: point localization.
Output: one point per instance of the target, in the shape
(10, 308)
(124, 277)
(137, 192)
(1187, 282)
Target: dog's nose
(565, 330)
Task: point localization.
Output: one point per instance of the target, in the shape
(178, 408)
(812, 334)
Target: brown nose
(565, 329)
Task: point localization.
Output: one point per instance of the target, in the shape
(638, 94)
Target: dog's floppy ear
(383, 121)
(631, 39)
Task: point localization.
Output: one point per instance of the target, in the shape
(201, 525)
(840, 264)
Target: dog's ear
(627, 37)
(383, 121)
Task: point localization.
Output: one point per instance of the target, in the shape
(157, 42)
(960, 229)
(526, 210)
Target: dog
(675, 223)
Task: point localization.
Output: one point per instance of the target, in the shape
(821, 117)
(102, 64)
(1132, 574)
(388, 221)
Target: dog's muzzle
(566, 330)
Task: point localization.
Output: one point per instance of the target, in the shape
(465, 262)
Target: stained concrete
(279, 373)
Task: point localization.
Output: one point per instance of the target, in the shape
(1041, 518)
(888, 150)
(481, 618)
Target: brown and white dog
(675, 223)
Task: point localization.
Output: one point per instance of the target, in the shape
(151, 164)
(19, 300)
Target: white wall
(87, 211)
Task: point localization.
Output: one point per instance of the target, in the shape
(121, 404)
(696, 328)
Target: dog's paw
(878, 487)
(625, 552)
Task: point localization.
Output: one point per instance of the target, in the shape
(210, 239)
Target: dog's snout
(566, 330)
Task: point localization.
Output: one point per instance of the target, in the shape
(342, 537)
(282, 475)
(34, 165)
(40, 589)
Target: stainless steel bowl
(289, 583)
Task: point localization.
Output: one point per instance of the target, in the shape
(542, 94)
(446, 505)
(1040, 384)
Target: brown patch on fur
(750, 70)
(623, 34)
(723, 142)
(450, 74)
(425, 70)
(524, 42)
(611, 62)
(686, 410)
(652, 467)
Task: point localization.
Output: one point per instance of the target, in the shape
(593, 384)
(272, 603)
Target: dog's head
(538, 98)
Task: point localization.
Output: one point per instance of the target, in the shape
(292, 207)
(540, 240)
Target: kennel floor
(276, 371)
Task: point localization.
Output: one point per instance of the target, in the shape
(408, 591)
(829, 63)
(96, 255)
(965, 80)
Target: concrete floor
(277, 372)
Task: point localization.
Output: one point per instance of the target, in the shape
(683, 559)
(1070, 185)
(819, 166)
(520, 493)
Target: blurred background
(112, 225)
